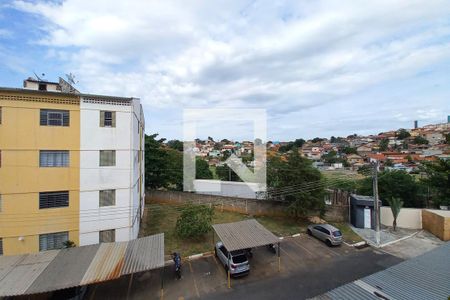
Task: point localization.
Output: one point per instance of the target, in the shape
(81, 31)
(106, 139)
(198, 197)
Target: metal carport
(245, 234)
(60, 269)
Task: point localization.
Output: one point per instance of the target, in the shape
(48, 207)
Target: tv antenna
(71, 78)
(37, 77)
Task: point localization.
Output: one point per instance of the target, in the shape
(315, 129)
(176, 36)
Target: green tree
(175, 144)
(194, 221)
(286, 148)
(299, 143)
(419, 140)
(155, 162)
(202, 170)
(384, 143)
(317, 140)
(296, 171)
(447, 138)
(349, 150)
(225, 173)
(396, 205)
(438, 179)
(403, 134)
(394, 184)
(330, 157)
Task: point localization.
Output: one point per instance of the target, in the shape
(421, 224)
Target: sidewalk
(403, 243)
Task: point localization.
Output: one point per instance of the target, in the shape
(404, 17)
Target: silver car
(238, 263)
(327, 233)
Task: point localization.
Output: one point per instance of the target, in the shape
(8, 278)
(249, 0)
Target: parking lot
(308, 268)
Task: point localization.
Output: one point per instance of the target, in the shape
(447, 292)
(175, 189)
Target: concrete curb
(358, 244)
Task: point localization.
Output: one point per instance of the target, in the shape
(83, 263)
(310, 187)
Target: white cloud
(286, 57)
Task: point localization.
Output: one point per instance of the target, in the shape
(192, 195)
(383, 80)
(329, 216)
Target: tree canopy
(296, 171)
(438, 179)
(394, 184)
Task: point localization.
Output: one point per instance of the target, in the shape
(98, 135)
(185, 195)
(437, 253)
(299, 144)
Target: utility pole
(376, 205)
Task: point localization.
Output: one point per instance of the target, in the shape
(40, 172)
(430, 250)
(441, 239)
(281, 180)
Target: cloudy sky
(319, 68)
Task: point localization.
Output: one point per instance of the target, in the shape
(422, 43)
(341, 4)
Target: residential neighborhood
(224, 150)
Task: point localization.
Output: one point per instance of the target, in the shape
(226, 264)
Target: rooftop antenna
(71, 78)
(37, 77)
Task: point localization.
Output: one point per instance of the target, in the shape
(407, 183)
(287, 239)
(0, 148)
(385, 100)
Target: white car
(235, 261)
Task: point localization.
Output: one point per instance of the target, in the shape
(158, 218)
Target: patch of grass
(283, 226)
(349, 235)
(163, 218)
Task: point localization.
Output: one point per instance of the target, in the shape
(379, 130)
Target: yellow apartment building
(40, 173)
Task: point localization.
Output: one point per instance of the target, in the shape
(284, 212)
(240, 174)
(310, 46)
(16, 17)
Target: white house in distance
(111, 168)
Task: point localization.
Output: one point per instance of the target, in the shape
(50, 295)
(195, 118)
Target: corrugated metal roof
(136, 258)
(25, 271)
(244, 234)
(57, 269)
(66, 270)
(107, 263)
(423, 277)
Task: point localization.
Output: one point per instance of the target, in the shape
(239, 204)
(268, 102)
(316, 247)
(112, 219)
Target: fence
(408, 217)
(233, 204)
(437, 222)
(241, 205)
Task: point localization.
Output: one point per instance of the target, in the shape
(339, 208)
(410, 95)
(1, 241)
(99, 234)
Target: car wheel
(328, 243)
(215, 252)
(309, 232)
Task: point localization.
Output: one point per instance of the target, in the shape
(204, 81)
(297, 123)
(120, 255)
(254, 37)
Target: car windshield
(337, 233)
(239, 259)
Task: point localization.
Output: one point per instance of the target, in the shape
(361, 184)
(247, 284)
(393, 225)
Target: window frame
(108, 121)
(104, 232)
(102, 163)
(48, 203)
(54, 163)
(105, 193)
(44, 117)
(55, 242)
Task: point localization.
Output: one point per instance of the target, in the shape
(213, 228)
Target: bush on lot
(194, 221)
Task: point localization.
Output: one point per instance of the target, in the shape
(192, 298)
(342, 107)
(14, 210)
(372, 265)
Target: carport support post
(162, 283)
(279, 258)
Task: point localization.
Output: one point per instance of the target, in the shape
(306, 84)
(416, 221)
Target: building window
(107, 236)
(107, 198)
(107, 158)
(107, 118)
(53, 158)
(51, 241)
(1, 246)
(53, 199)
(0, 115)
(53, 117)
(42, 87)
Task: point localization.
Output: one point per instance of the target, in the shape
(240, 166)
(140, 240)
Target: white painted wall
(408, 217)
(124, 177)
(227, 188)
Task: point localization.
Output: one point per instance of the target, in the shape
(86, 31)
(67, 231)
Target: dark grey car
(327, 233)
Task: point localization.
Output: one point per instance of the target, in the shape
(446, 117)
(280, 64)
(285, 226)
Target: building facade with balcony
(71, 167)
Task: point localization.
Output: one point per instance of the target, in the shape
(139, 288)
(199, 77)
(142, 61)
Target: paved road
(308, 268)
(312, 281)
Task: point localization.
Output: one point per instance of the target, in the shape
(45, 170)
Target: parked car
(238, 263)
(327, 233)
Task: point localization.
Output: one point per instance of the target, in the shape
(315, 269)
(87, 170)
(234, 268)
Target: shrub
(194, 221)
